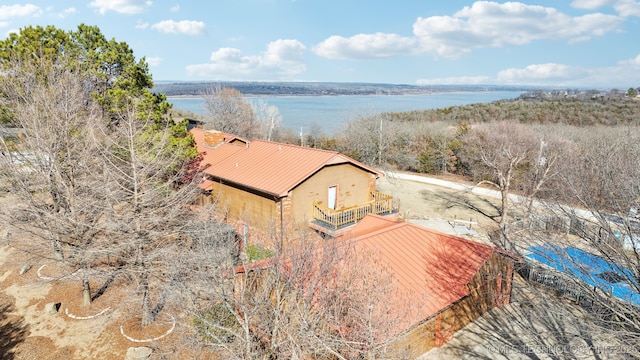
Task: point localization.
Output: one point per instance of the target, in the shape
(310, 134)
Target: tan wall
(353, 184)
(437, 330)
(260, 213)
(491, 286)
(263, 214)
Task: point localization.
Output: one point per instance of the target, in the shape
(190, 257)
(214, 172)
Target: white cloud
(226, 55)
(627, 8)
(590, 4)
(175, 8)
(365, 46)
(62, 14)
(283, 59)
(541, 74)
(68, 11)
(8, 12)
(489, 24)
(461, 80)
(187, 27)
(631, 62)
(284, 50)
(623, 7)
(623, 74)
(121, 6)
(484, 24)
(141, 24)
(154, 60)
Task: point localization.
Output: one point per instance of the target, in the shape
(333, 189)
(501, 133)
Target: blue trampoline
(590, 269)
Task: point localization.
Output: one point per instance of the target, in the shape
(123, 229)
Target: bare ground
(75, 331)
(432, 206)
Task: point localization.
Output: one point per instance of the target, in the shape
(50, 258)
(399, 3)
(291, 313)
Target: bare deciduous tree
(269, 119)
(322, 301)
(147, 208)
(51, 168)
(587, 237)
(229, 112)
(366, 139)
(509, 156)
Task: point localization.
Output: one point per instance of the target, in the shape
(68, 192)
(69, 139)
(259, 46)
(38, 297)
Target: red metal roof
(429, 265)
(269, 167)
(428, 270)
(206, 184)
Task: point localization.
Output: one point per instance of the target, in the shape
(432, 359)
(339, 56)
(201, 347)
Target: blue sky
(579, 43)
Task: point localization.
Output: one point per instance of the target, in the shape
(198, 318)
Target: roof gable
(269, 167)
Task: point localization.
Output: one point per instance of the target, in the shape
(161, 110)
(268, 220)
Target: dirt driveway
(430, 206)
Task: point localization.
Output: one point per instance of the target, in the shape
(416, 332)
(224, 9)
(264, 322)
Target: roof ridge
(400, 224)
(227, 156)
(293, 146)
(364, 236)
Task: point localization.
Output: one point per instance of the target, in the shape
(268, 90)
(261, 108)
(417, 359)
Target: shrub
(216, 324)
(255, 253)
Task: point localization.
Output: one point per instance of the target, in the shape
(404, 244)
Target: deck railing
(378, 203)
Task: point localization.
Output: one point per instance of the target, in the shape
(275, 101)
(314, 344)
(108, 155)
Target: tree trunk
(57, 250)
(86, 292)
(504, 194)
(147, 313)
(504, 223)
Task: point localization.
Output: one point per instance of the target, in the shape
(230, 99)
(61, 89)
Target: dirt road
(426, 201)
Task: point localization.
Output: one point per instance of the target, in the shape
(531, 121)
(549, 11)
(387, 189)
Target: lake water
(331, 112)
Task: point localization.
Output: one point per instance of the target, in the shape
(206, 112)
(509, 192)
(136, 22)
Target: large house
(434, 283)
(270, 190)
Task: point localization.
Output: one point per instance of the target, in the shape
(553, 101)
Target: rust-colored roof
(198, 135)
(268, 167)
(206, 184)
(431, 265)
(213, 155)
(429, 270)
(368, 224)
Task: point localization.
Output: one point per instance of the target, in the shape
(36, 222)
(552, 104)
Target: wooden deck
(333, 220)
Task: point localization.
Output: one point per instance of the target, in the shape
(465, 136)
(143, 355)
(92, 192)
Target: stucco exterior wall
(353, 186)
(265, 216)
(437, 330)
(236, 205)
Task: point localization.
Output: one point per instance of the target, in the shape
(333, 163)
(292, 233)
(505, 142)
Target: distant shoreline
(330, 112)
(280, 89)
(190, 96)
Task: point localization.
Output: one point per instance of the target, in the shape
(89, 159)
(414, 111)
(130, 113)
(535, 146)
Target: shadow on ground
(13, 331)
(536, 325)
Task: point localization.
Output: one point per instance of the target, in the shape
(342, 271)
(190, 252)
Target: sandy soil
(431, 206)
(75, 331)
